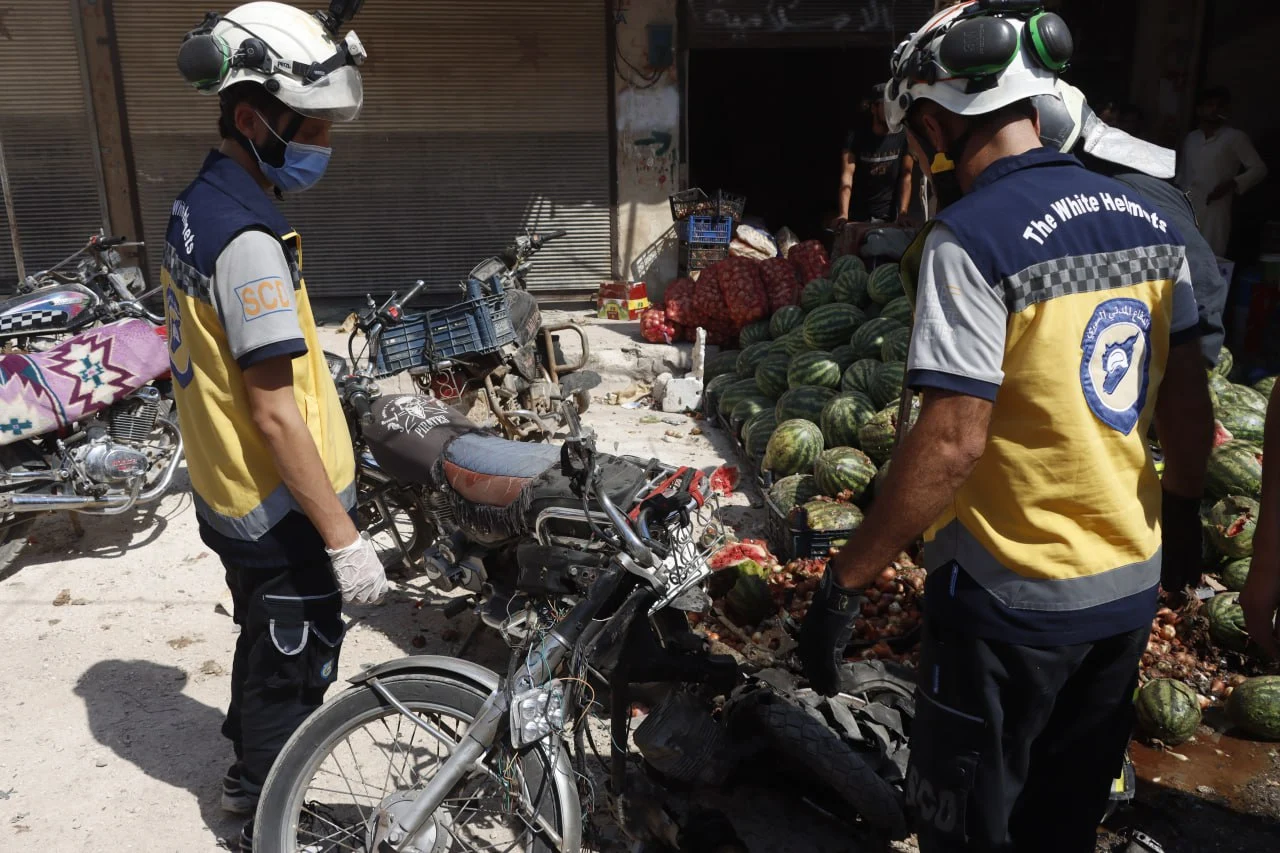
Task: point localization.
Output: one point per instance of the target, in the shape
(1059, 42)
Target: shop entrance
(770, 124)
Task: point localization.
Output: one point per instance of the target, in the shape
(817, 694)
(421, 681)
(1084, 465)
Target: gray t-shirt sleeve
(253, 293)
(1186, 314)
(960, 323)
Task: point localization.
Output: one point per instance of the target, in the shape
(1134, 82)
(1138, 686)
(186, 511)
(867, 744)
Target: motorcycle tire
(810, 750)
(280, 817)
(407, 517)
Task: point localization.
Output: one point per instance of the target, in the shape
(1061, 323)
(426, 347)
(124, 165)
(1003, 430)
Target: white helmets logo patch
(1115, 364)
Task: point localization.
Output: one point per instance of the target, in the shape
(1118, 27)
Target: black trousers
(286, 657)
(1014, 748)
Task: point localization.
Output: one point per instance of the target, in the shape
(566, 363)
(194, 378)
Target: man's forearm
(303, 473)
(846, 195)
(932, 465)
(904, 194)
(1184, 421)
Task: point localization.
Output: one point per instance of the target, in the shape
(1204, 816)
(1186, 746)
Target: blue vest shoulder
(1043, 206)
(222, 202)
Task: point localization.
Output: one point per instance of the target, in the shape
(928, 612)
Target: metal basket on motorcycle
(476, 327)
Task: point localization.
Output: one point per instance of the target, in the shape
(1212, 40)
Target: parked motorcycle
(492, 346)
(86, 414)
(90, 286)
(431, 753)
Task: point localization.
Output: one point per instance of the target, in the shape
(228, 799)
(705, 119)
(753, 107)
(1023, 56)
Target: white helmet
(1066, 121)
(976, 57)
(296, 56)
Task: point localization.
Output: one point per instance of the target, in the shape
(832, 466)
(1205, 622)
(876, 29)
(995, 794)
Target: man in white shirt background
(1216, 163)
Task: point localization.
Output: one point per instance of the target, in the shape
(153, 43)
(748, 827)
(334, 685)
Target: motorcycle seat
(492, 471)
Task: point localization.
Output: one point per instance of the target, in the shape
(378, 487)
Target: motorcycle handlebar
(362, 404)
(551, 235)
(413, 292)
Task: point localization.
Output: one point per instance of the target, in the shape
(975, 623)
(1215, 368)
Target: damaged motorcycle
(607, 555)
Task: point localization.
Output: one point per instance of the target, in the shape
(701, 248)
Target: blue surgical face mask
(304, 165)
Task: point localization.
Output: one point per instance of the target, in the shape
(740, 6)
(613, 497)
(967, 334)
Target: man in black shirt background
(876, 181)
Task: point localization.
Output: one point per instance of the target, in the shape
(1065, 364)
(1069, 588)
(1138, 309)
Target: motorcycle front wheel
(358, 756)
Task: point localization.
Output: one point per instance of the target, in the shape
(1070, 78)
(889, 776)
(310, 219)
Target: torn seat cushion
(492, 471)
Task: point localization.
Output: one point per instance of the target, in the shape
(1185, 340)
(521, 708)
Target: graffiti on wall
(774, 16)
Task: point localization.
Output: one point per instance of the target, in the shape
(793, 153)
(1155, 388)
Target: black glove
(826, 631)
(1181, 563)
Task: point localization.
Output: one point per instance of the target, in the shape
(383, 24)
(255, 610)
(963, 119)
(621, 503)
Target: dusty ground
(118, 643)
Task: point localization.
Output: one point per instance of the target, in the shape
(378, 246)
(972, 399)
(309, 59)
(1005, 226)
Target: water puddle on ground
(1216, 767)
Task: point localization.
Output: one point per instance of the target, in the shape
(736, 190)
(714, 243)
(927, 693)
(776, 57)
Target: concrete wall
(647, 109)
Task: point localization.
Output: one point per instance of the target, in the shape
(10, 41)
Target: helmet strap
(272, 149)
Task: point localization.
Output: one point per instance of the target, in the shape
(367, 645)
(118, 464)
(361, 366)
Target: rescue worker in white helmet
(267, 445)
(1068, 124)
(1054, 320)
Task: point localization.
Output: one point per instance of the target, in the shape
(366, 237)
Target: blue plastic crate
(476, 327)
(706, 229)
(401, 346)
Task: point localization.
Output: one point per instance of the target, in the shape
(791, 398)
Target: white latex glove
(359, 572)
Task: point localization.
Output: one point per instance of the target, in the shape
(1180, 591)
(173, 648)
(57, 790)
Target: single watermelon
(868, 339)
(850, 287)
(805, 402)
(1218, 386)
(844, 469)
(1241, 396)
(757, 431)
(1226, 621)
(1243, 423)
(747, 408)
(749, 599)
(1234, 574)
(898, 309)
(847, 263)
(887, 384)
(720, 363)
(829, 517)
(749, 359)
(843, 416)
(885, 284)
(792, 342)
(1255, 707)
(818, 292)
(1226, 361)
(813, 368)
(1231, 524)
(859, 376)
(1168, 711)
(713, 389)
(771, 374)
(895, 345)
(754, 333)
(790, 492)
(878, 436)
(735, 394)
(831, 325)
(843, 356)
(788, 318)
(793, 448)
(1235, 468)
(1264, 386)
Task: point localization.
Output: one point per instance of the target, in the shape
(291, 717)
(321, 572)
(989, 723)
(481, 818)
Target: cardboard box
(619, 300)
(620, 309)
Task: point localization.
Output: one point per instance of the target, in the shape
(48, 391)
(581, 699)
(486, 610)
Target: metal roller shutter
(48, 155)
(480, 120)
(795, 23)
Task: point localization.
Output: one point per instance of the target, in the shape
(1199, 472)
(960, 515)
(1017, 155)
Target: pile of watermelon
(1200, 657)
(813, 392)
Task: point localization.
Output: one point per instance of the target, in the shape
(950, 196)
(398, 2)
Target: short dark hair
(1215, 93)
(252, 94)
